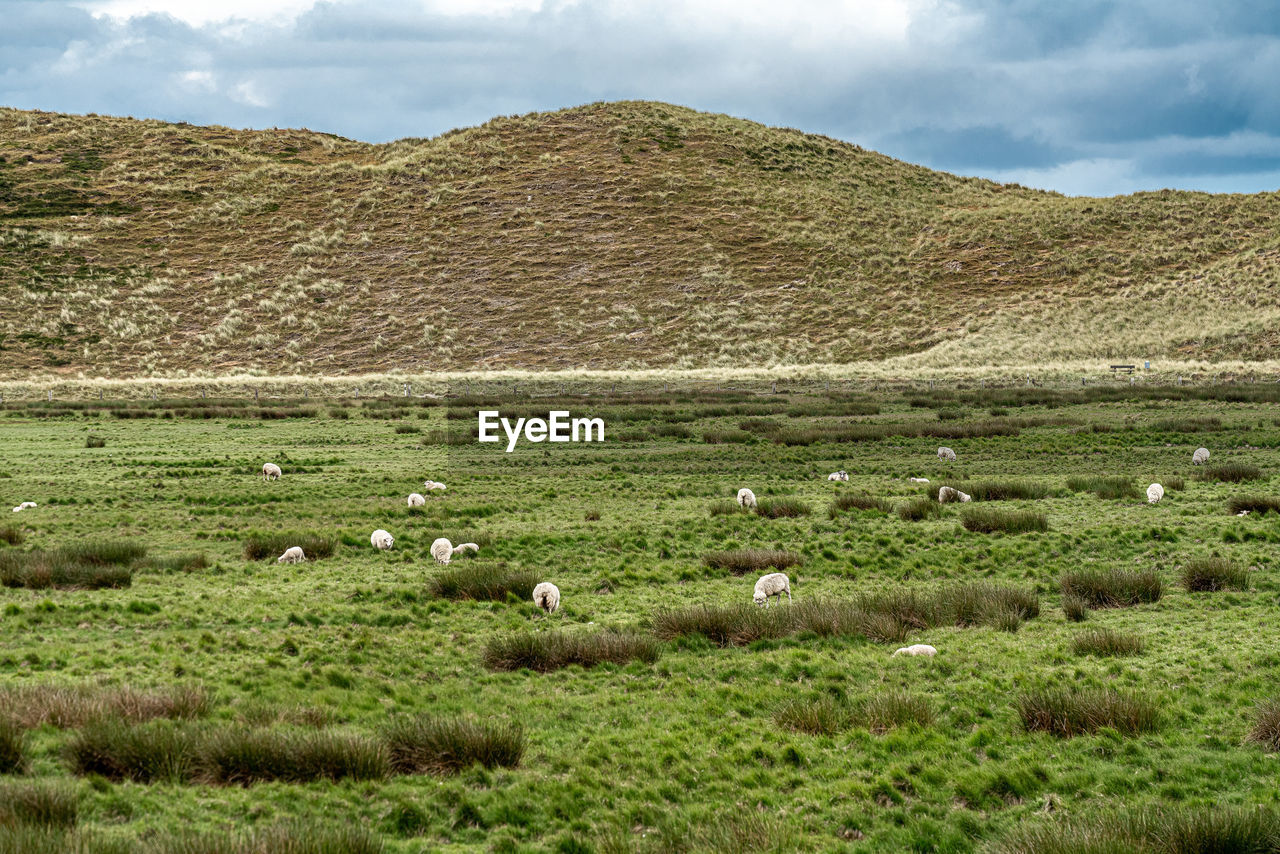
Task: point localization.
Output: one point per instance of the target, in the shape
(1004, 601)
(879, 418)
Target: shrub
(95, 442)
(235, 756)
(1113, 588)
(1256, 504)
(1229, 473)
(72, 706)
(1266, 725)
(1075, 608)
(1106, 641)
(918, 509)
(781, 508)
(40, 804)
(741, 561)
(152, 752)
(444, 745)
(1214, 573)
(1105, 487)
(12, 535)
(261, 546)
(854, 501)
(13, 746)
(479, 581)
(553, 650)
(1071, 712)
(990, 520)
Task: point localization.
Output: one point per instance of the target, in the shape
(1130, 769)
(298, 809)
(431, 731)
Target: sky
(1078, 96)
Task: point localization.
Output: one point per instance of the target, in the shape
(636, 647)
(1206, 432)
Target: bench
(1123, 369)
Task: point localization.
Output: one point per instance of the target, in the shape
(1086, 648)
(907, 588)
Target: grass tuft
(1070, 712)
(39, 804)
(1163, 830)
(1075, 608)
(1110, 488)
(242, 757)
(13, 746)
(262, 546)
(1255, 504)
(742, 561)
(483, 582)
(1214, 573)
(73, 706)
(1266, 725)
(880, 713)
(781, 508)
(1104, 641)
(159, 751)
(854, 501)
(996, 490)
(1112, 588)
(1229, 473)
(12, 535)
(429, 744)
(991, 520)
(919, 509)
(547, 651)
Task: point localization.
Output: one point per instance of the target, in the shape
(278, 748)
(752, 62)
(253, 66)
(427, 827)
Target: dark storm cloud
(1090, 97)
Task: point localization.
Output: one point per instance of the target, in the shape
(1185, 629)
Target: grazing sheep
(432, 484)
(547, 597)
(443, 550)
(416, 500)
(1154, 493)
(1243, 513)
(949, 493)
(773, 584)
(1200, 457)
(946, 455)
(293, 554)
(270, 471)
(381, 539)
(918, 479)
(916, 649)
(842, 476)
(746, 498)
(26, 505)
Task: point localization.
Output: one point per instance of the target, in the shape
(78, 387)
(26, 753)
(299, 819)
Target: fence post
(51, 394)
(202, 394)
(255, 394)
(775, 386)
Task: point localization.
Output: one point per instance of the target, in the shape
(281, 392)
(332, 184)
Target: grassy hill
(615, 235)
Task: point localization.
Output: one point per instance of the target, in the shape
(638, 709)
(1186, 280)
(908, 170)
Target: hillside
(615, 235)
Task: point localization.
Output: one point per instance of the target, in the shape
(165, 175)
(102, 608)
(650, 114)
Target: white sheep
(746, 498)
(916, 649)
(547, 597)
(443, 550)
(26, 505)
(1154, 493)
(270, 471)
(842, 476)
(918, 479)
(381, 539)
(948, 494)
(1200, 457)
(293, 554)
(416, 500)
(946, 455)
(773, 584)
(432, 484)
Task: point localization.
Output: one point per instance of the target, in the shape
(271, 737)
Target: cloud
(1091, 97)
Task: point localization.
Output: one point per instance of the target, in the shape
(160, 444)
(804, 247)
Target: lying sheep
(746, 498)
(270, 471)
(547, 597)
(1200, 457)
(416, 500)
(773, 584)
(842, 476)
(293, 554)
(381, 539)
(916, 649)
(948, 494)
(946, 455)
(918, 479)
(26, 505)
(1154, 493)
(443, 550)
(432, 484)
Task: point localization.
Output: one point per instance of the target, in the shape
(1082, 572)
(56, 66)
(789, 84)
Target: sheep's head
(759, 598)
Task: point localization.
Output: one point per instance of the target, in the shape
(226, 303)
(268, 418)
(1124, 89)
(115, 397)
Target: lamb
(949, 493)
(916, 649)
(918, 479)
(293, 554)
(547, 597)
(270, 471)
(443, 550)
(416, 500)
(746, 498)
(432, 484)
(1200, 457)
(946, 455)
(26, 505)
(1154, 493)
(842, 476)
(381, 539)
(773, 584)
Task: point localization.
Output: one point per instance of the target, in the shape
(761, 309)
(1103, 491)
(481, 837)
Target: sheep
(381, 539)
(746, 498)
(416, 500)
(842, 476)
(1154, 493)
(432, 484)
(293, 554)
(443, 550)
(1200, 457)
(950, 493)
(946, 455)
(270, 471)
(26, 505)
(547, 597)
(916, 649)
(773, 584)
(918, 479)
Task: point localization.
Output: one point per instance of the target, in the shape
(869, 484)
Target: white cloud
(248, 92)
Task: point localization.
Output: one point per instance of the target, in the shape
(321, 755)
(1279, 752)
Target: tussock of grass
(991, 520)
(1255, 504)
(76, 705)
(1174, 482)
(86, 566)
(1071, 712)
(1112, 588)
(1229, 473)
(1202, 830)
(781, 508)
(1106, 641)
(995, 490)
(741, 833)
(95, 442)
(880, 713)
(547, 651)
(918, 509)
(294, 838)
(1075, 608)
(13, 746)
(429, 744)
(1266, 725)
(854, 501)
(741, 561)
(39, 804)
(153, 752)
(404, 429)
(726, 508)
(480, 581)
(12, 535)
(242, 757)
(1214, 573)
(261, 546)
(1105, 487)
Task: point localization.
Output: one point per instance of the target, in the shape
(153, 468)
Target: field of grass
(367, 700)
